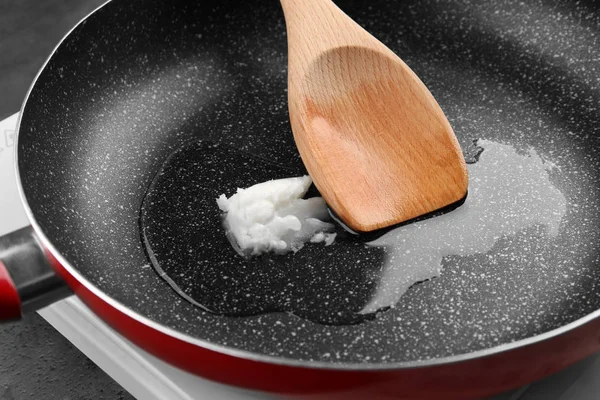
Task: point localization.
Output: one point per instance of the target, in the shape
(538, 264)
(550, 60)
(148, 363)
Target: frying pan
(137, 80)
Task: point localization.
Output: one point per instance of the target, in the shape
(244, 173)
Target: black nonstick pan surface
(138, 80)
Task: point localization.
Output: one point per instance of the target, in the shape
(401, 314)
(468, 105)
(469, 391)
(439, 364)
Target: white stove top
(148, 378)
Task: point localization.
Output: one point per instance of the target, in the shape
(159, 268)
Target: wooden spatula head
(374, 140)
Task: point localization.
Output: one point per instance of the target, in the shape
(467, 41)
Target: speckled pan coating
(140, 78)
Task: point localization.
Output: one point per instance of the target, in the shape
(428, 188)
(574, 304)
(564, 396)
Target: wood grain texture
(376, 143)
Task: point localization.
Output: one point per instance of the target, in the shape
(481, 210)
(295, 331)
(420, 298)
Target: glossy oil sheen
(510, 195)
(186, 241)
(346, 282)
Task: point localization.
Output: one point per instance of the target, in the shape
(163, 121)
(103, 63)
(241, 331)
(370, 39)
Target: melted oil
(508, 192)
(350, 280)
(187, 244)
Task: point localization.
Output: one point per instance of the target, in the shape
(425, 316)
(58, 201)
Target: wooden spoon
(372, 137)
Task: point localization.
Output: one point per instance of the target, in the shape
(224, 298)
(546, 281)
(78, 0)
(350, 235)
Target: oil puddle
(344, 283)
(186, 242)
(509, 191)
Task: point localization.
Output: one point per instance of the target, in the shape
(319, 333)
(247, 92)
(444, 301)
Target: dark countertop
(36, 362)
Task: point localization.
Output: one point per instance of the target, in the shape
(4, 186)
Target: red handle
(10, 303)
(27, 279)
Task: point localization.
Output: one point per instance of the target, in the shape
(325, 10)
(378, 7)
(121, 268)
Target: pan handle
(27, 280)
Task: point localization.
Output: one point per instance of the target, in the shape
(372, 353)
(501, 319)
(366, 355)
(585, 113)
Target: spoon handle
(317, 26)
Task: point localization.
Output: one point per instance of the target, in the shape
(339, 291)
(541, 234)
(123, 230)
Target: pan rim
(236, 352)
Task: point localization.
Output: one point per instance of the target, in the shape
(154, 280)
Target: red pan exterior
(9, 297)
(469, 379)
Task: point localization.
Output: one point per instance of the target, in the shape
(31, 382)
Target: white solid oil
(508, 192)
(273, 216)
